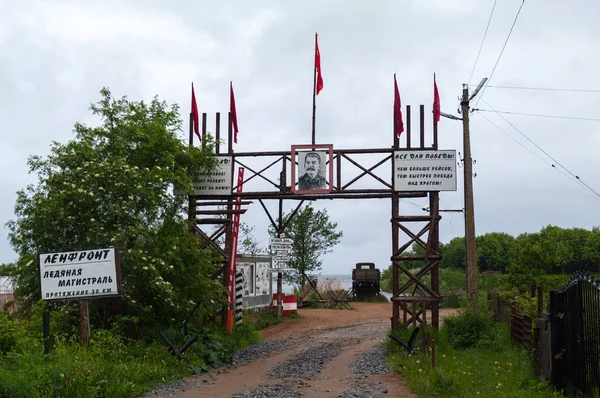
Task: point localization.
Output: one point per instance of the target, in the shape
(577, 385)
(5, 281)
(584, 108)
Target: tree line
(552, 250)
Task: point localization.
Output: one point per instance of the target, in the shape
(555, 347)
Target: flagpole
(436, 111)
(191, 140)
(314, 109)
(191, 204)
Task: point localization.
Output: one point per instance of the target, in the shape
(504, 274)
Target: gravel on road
(255, 351)
(307, 363)
(371, 362)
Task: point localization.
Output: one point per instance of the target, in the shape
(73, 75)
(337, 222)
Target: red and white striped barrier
(289, 304)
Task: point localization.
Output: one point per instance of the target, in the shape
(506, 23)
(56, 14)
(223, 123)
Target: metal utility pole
(471, 248)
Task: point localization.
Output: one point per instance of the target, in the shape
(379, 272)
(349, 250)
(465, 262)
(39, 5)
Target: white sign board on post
(429, 170)
(284, 241)
(215, 183)
(80, 274)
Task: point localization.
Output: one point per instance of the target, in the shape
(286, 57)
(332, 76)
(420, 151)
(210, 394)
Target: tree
(494, 251)
(453, 254)
(247, 243)
(313, 235)
(6, 269)
(111, 186)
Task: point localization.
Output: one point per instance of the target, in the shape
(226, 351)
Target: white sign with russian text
(79, 274)
(215, 183)
(429, 170)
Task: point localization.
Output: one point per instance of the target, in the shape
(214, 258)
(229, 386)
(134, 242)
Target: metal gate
(575, 319)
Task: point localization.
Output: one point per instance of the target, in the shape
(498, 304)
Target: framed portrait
(312, 168)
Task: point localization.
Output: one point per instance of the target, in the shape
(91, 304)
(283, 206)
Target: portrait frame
(298, 153)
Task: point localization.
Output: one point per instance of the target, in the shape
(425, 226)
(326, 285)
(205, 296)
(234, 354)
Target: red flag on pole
(397, 109)
(436, 102)
(195, 119)
(233, 112)
(318, 65)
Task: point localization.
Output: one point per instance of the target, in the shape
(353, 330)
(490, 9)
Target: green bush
(466, 329)
(110, 365)
(10, 332)
(492, 367)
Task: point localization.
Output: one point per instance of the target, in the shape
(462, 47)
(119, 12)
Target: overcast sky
(57, 55)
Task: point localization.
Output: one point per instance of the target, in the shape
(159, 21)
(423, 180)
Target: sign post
(233, 255)
(79, 275)
(281, 248)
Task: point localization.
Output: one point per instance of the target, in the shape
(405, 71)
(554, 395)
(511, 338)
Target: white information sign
(80, 274)
(216, 183)
(429, 170)
(276, 247)
(285, 241)
(262, 279)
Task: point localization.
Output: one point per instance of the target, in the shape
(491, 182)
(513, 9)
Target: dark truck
(365, 280)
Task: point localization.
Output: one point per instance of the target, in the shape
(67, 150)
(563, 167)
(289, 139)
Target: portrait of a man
(311, 171)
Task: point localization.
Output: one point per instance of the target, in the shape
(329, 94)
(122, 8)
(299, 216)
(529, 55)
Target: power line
(515, 140)
(412, 203)
(528, 150)
(545, 89)
(546, 153)
(538, 115)
(502, 51)
(536, 155)
(483, 40)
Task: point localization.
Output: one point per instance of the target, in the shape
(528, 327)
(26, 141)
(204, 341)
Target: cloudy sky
(57, 55)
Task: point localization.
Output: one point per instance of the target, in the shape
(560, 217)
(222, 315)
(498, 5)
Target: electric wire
(502, 51)
(535, 154)
(576, 90)
(412, 203)
(539, 115)
(546, 153)
(518, 142)
(483, 40)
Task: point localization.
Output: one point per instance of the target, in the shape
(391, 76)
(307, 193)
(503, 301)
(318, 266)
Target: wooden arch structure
(273, 183)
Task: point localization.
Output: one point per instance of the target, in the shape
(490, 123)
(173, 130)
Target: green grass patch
(474, 358)
(264, 317)
(110, 365)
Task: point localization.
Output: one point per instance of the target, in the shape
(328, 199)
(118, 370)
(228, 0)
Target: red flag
(436, 102)
(196, 123)
(233, 112)
(318, 66)
(397, 109)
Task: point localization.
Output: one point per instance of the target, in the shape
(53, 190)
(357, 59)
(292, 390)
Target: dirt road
(326, 353)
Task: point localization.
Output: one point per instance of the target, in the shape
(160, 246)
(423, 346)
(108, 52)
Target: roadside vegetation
(112, 185)
(111, 365)
(474, 355)
(473, 358)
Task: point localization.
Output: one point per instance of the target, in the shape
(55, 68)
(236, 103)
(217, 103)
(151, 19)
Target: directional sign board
(282, 259)
(285, 241)
(278, 246)
(281, 253)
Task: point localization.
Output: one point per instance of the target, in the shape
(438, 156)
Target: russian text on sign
(277, 246)
(425, 170)
(286, 241)
(79, 274)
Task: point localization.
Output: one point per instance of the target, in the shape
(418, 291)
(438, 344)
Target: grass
(488, 366)
(110, 365)
(265, 317)
(335, 285)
